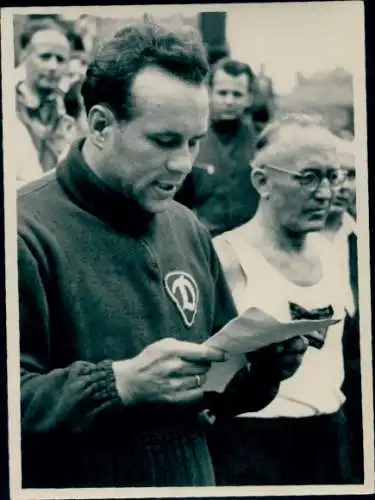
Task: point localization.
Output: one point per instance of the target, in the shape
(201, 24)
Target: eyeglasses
(312, 179)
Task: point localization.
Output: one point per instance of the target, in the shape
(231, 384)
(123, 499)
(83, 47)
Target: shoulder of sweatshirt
(188, 219)
(26, 193)
(190, 230)
(36, 206)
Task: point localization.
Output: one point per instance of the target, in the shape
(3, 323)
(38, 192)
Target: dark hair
(33, 26)
(111, 73)
(39, 17)
(76, 42)
(233, 68)
(73, 101)
(216, 53)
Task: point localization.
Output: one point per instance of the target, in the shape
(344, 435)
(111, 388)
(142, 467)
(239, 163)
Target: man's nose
(181, 161)
(229, 99)
(52, 64)
(324, 191)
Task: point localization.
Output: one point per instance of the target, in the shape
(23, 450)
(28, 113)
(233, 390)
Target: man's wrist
(122, 372)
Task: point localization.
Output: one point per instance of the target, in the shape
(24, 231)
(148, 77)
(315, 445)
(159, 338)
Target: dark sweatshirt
(95, 280)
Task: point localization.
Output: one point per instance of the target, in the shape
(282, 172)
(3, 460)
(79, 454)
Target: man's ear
(100, 121)
(24, 55)
(260, 181)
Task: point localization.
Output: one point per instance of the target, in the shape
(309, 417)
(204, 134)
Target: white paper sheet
(249, 332)
(220, 374)
(255, 329)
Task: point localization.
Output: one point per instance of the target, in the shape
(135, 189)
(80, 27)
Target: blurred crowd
(52, 65)
(50, 116)
(52, 56)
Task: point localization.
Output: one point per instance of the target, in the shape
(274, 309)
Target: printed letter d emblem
(183, 290)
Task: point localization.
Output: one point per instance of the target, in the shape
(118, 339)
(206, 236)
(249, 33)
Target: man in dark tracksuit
(119, 286)
(219, 187)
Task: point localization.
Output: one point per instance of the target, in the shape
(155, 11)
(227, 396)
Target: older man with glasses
(341, 230)
(281, 263)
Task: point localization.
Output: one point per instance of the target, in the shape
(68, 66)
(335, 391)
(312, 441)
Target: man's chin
(313, 226)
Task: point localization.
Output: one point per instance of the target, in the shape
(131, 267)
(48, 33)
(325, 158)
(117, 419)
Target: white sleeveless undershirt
(316, 386)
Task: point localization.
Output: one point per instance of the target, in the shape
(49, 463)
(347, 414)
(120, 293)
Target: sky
(286, 37)
(305, 37)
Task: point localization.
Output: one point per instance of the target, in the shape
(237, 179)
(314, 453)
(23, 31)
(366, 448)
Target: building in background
(212, 26)
(329, 94)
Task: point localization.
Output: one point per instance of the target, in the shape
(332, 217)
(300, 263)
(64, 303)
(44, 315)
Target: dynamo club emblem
(183, 290)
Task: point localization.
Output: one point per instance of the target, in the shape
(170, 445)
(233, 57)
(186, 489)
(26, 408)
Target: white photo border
(10, 215)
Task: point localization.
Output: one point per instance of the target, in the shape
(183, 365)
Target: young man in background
(219, 188)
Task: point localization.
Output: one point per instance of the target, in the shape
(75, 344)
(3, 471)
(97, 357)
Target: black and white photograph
(188, 302)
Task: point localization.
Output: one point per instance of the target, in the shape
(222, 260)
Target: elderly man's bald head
(295, 141)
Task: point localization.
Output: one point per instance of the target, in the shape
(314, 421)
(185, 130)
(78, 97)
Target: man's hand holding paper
(283, 358)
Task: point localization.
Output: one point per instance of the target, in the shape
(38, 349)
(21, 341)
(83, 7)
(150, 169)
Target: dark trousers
(352, 390)
(281, 451)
